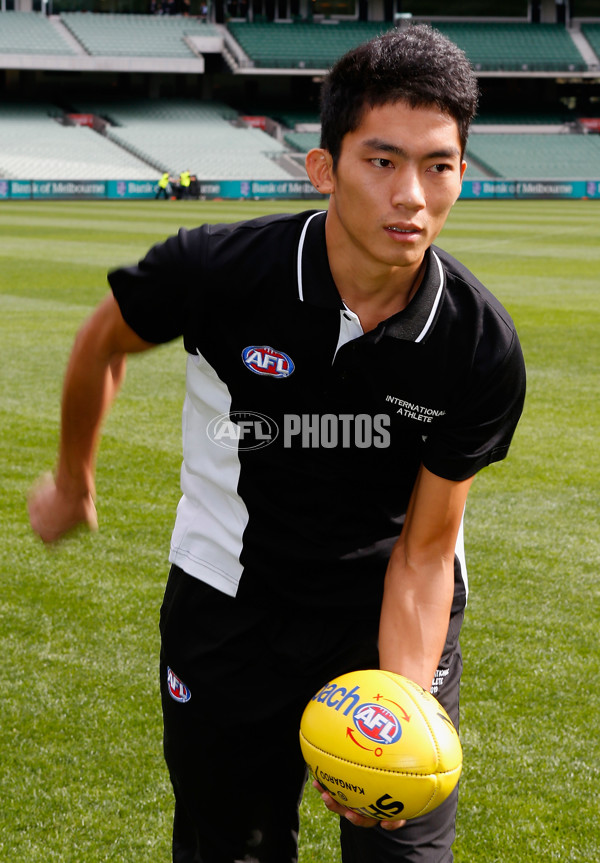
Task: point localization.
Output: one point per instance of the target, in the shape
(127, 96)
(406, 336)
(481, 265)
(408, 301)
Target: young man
(345, 382)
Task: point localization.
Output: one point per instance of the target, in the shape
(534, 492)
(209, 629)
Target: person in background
(185, 179)
(162, 189)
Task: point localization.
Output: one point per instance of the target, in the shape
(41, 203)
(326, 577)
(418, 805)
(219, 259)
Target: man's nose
(408, 189)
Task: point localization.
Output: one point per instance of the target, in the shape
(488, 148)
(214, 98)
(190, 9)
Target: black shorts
(235, 679)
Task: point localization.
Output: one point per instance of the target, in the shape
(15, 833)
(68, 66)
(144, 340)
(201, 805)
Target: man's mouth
(396, 230)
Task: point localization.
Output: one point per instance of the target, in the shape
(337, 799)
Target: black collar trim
(317, 287)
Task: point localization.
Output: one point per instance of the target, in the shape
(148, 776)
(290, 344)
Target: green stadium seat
(174, 135)
(489, 46)
(515, 47)
(537, 156)
(591, 31)
(30, 33)
(34, 146)
(114, 35)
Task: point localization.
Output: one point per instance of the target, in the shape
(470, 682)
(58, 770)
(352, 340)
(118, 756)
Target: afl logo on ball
(377, 723)
(177, 688)
(267, 361)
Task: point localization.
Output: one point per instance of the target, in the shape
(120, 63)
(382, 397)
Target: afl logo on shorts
(267, 361)
(177, 688)
(377, 723)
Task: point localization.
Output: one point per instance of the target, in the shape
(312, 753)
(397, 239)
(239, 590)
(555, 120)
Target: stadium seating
(147, 138)
(495, 46)
(514, 47)
(292, 119)
(30, 33)
(513, 154)
(302, 141)
(114, 35)
(475, 171)
(34, 146)
(181, 134)
(144, 137)
(522, 118)
(301, 44)
(537, 156)
(592, 34)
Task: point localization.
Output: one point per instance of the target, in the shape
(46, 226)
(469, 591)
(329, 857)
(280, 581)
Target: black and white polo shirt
(302, 435)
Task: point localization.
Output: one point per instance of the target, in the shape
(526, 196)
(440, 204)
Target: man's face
(397, 177)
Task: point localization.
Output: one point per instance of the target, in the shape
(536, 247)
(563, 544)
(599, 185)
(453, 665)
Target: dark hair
(417, 65)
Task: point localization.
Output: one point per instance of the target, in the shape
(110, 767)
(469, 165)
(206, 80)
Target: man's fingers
(53, 514)
(392, 825)
(350, 815)
(39, 507)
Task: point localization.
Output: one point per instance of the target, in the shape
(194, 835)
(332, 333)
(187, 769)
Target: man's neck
(374, 293)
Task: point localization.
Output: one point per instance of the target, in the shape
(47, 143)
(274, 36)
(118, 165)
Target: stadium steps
(177, 134)
(66, 35)
(586, 47)
(477, 169)
(149, 136)
(89, 157)
(129, 35)
(591, 33)
(301, 44)
(292, 164)
(497, 46)
(34, 146)
(513, 47)
(302, 142)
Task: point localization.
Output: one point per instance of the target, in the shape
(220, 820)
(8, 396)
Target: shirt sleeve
(155, 294)
(480, 426)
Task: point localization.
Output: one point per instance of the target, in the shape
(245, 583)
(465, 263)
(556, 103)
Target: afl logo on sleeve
(267, 361)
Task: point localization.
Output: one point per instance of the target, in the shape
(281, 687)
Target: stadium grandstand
(124, 90)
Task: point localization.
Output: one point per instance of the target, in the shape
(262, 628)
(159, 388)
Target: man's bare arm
(94, 374)
(419, 584)
(419, 588)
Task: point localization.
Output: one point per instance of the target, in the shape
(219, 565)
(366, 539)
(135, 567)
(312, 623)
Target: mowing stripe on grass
(82, 776)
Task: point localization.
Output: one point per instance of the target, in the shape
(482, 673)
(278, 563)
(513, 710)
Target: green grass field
(81, 772)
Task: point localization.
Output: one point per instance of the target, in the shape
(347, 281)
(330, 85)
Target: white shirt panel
(211, 516)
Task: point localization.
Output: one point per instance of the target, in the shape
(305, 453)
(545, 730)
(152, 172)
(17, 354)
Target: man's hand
(94, 374)
(354, 817)
(53, 512)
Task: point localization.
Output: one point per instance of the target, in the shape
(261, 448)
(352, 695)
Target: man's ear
(463, 168)
(319, 167)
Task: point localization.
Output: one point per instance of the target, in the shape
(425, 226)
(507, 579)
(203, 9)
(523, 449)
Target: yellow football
(381, 745)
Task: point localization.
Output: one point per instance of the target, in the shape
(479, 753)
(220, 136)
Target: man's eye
(439, 169)
(381, 163)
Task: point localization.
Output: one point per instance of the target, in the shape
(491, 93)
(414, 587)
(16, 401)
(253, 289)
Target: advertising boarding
(484, 190)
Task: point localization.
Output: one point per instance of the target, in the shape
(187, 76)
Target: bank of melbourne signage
(483, 189)
(494, 188)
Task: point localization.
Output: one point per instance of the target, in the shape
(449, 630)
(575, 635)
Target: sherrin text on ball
(381, 745)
